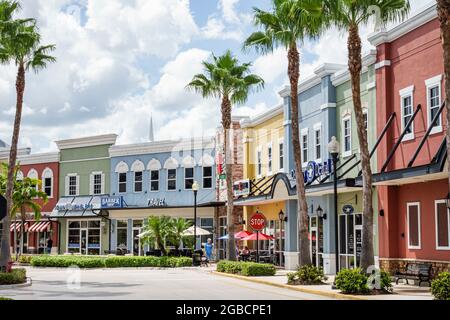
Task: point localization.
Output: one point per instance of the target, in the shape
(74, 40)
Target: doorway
(350, 240)
(316, 240)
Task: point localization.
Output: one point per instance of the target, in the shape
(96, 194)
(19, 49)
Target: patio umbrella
(200, 232)
(261, 237)
(143, 234)
(242, 234)
(225, 237)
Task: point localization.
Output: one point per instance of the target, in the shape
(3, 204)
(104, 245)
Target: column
(291, 253)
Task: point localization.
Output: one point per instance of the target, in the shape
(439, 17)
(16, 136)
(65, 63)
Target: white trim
(188, 162)
(436, 225)
(208, 177)
(134, 181)
(19, 176)
(67, 184)
(159, 181)
(107, 139)
(408, 205)
(404, 93)
(171, 163)
(38, 158)
(259, 162)
(328, 106)
(259, 119)
(84, 160)
(81, 220)
(371, 85)
(207, 161)
(92, 184)
(154, 165)
(347, 153)
(304, 133)
(269, 160)
(430, 84)
(118, 182)
(176, 180)
(33, 174)
(48, 174)
(138, 166)
(122, 167)
(281, 166)
(317, 128)
(382, 64)
(185, 178)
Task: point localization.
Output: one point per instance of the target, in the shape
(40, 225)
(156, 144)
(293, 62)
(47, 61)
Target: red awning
(40, 226)
(16, 226)
(260, 237)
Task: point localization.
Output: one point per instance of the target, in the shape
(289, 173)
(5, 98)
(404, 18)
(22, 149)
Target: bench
(415, 271)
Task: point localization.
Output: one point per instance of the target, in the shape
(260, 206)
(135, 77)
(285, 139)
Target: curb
(16, 286)
(339, 296)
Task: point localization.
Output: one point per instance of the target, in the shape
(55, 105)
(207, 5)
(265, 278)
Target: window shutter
(67, 186)
(103, 183)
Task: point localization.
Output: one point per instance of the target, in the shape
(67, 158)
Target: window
(442, 226)
(122, 182)
(72, 185)
(281, 156)
(318, 143)
(407, 109)
(188, 178)
(434, 102)
(48, 186)
(304, 146)
(207, 177)
(259, 162)
(347, 134)
(414, 232)
(97, 183)
(138, 178)
(269, 159)
(172, 179)
(34, 175)
(122, 234)
(154, 180)
(366, 121)
(84, 237)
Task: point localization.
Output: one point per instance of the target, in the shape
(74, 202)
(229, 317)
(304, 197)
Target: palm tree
(178, 227)
(157, 230)
(226, 79)
(20, 44)
(288, 24)
(443, 7)
(27, 195)
(349, 16)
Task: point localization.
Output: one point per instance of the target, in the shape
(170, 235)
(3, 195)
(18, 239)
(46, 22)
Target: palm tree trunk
(302, 207)
(22, 229)
(355, 67)
(20, 88)
(226, 123)
(444, 19)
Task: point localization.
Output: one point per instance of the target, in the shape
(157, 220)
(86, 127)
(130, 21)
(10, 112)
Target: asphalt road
(145, 284)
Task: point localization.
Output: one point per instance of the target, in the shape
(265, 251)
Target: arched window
(189, 172)
(33, 174)
(122, 170)
(207, 163)
(154, 166)
(47, 182)
(138, 168)
(19, 176)
(171, 165)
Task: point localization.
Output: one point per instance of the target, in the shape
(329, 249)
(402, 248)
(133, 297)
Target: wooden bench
(415, 271)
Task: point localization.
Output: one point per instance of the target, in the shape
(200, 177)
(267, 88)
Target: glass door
(316, 240)
(350, 239)
(136, 243)
(84, 241)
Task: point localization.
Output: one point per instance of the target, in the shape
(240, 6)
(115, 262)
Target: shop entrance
(316, 240)
(84, 241)
(350, 239)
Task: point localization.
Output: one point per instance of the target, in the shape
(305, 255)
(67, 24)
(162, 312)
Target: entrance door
(84, 241)
(316, 240)
(136, 242)
(350, 239)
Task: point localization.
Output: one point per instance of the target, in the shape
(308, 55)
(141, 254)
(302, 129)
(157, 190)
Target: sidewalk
(401, 291)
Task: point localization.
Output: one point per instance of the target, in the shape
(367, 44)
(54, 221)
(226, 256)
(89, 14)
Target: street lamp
(320, 213)
(333, 149)
(195, 188)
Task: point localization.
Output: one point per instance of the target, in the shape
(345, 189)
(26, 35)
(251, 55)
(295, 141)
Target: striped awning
(40, 226)
(15, 226)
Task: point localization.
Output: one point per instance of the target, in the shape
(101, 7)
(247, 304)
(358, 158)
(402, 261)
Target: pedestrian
(209, 249)
(49, 245)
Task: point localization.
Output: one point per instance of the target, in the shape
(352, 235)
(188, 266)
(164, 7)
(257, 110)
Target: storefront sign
(112, 202)
(241, 188)
(348, 209)
(258, 222)
(75, 207)
(315, 170)
(157, 203)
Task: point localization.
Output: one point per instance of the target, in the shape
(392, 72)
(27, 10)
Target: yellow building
(264, 157)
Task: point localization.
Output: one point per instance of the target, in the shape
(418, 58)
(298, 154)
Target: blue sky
(121, 60)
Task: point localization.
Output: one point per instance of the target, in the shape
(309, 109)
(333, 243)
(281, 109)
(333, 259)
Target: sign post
(257, 223)
(3, 209)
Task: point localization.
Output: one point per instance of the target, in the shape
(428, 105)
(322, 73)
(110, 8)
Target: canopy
(199, 232)
(261, 237)
(242, 234)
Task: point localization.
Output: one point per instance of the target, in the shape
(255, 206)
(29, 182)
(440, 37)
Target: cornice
(344, 75)
(261, 118)
(38, 158)
(107, 139)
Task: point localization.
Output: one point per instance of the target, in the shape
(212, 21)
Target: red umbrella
(261, 237)
(242, 234)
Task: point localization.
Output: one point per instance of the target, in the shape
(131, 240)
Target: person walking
(49, 245)
(209, 249)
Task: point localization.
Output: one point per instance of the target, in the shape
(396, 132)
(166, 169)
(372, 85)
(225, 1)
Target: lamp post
(195, 188)
(333, 149)
(282, 218)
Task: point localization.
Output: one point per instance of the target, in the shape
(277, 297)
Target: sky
(120, 62)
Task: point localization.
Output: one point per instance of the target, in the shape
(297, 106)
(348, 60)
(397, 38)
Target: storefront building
(155, 179)
(412, 181)
(84, 179)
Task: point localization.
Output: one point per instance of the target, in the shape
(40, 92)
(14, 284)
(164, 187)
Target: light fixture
(195, 186)
(333, 146)
(282, 216)
(320, 213)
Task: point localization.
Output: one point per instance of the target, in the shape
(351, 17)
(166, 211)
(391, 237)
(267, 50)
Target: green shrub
(440, 287)
(5, 299)
(16, 276)
(248, 269)
(352, 281)
(24, 259)
(68, 261)
(307, 275)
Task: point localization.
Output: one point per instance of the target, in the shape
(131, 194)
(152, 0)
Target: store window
(122, 182)
(304, 147)
(442, 226)
(269, 159)
(207, 177)
(188, 178)
(281, 146)
(172, 179)
(138, 179)
(154, 180)
(122, 234)
(84, 237)
(347, 134)
(414, 225)
(208, 225)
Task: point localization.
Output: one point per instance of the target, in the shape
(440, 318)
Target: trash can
(196, 260)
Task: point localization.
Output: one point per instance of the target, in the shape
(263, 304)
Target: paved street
(145, 284)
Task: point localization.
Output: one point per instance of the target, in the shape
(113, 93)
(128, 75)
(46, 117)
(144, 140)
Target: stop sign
(258, 222)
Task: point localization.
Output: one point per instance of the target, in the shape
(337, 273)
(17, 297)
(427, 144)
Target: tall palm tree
(226, 79)
(20, 43)
(288, 24)
(443, 7)
(349, 16)
(178, 227)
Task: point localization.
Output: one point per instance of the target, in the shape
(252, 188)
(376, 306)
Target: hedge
(355, 281)
(248, 269)
(16, 276)
(110, 262)
(440, 286)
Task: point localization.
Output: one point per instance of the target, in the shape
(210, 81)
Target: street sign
(3, 208)
(258, 222)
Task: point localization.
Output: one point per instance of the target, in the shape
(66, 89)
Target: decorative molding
(137, 166)
(382, 64)
(122, 167)
(371, 85)
(414, 22)
(188, 162)
(287, 123)
(38, 158)
(83, 160)
(252, 122)
(206, 161)
(327, 106)
(171, 163)
(154, 165)
(343, 76)
(107, 139)
(4, 153)
(437, 80)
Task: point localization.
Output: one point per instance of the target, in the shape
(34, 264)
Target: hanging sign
(241, 188)
(315, 170)
(258, 222)
(112, 202)
(348, 209)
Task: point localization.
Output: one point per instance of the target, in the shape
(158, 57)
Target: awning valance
(40, 226)
(15, 226)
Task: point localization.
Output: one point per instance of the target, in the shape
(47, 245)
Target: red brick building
(414, 221)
